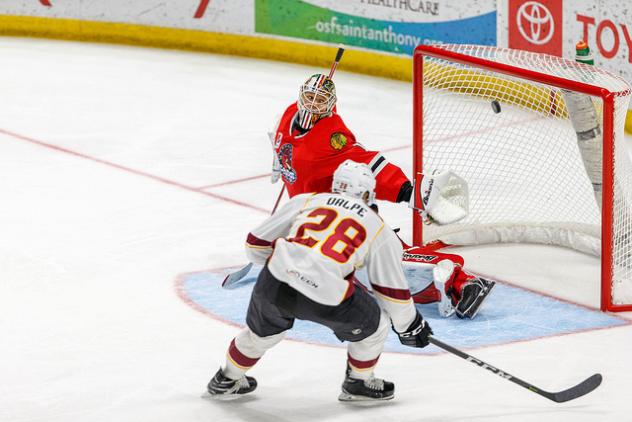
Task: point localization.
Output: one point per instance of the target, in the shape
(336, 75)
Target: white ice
(103, 151)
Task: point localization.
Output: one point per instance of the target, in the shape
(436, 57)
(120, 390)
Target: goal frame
(608, 98)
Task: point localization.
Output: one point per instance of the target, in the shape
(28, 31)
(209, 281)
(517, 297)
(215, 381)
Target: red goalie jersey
(308, 159)
(311, 141)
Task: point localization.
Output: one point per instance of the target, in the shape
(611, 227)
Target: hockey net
(499, 118)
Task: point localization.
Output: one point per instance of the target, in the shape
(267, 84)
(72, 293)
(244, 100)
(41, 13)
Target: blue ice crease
(509, 314)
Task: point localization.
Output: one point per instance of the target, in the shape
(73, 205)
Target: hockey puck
(496, 106)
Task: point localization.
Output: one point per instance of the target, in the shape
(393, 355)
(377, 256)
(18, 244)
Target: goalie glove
(416, 335)
(276, 169)
(440, 197)
(276, 164)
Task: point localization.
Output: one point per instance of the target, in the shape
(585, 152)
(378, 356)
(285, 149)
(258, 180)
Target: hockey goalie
(311, 140)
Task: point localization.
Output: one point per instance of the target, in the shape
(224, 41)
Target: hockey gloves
(276, 169)
(276, 164)
(440, 196)
(416, 335)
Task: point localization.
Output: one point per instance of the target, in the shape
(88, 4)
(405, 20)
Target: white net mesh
(512, 140)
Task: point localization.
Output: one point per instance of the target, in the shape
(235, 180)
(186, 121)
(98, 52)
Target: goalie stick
(334, 65)
(233, 279)
(581, 389)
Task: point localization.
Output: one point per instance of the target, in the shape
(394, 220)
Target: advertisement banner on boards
(394, 26)
(555, 26)
(536, 26)
(228, 16)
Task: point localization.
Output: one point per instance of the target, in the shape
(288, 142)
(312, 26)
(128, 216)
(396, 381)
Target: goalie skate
(372, 389)
(473, 295)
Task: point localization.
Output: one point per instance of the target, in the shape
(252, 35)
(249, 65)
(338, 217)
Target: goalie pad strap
(418, 201)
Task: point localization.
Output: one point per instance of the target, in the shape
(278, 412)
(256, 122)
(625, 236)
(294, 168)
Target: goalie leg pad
(444, 274)
(428, 295)
(428, 255)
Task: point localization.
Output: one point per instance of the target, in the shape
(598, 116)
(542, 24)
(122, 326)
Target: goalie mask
(355, 180)
(316, 99)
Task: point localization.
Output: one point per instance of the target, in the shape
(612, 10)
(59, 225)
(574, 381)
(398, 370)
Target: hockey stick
(334, 65)
(583, 388)
(232, 280)
(276, 204)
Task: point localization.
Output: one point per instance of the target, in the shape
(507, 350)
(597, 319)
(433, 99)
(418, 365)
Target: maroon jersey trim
(255, 241)
(399, 294)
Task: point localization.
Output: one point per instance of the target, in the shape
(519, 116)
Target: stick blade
(581, 389)
(232, 280)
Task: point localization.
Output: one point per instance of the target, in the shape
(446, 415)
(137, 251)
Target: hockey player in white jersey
(311, 248)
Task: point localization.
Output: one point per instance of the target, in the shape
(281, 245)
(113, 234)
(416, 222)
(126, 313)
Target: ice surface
(106, 155)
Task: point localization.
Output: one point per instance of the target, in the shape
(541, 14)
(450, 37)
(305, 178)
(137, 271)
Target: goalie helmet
(356, 180)
(316, 99)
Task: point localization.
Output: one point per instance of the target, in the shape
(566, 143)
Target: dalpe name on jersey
(348, 205)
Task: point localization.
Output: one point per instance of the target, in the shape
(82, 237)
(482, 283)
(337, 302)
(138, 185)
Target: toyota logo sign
(535, 22)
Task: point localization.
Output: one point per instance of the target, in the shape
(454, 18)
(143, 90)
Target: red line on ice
(133, 171)
(232, 182)
(261, 176)
(201, 9)
(445, 138)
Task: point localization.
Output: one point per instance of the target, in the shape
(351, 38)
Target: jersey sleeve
(334, 144)
(259, 243)
(388, 177)
(388, 281)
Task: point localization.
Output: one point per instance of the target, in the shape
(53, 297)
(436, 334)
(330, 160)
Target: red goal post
(527, 176)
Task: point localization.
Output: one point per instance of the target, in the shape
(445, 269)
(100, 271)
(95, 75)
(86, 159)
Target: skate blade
(346, 397)
(220, 397)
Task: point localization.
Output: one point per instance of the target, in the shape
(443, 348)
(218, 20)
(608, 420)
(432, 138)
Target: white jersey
(315, 242)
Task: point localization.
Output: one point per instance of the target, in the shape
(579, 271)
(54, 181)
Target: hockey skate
(223, 387)
(372, 389)
(473, 296)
